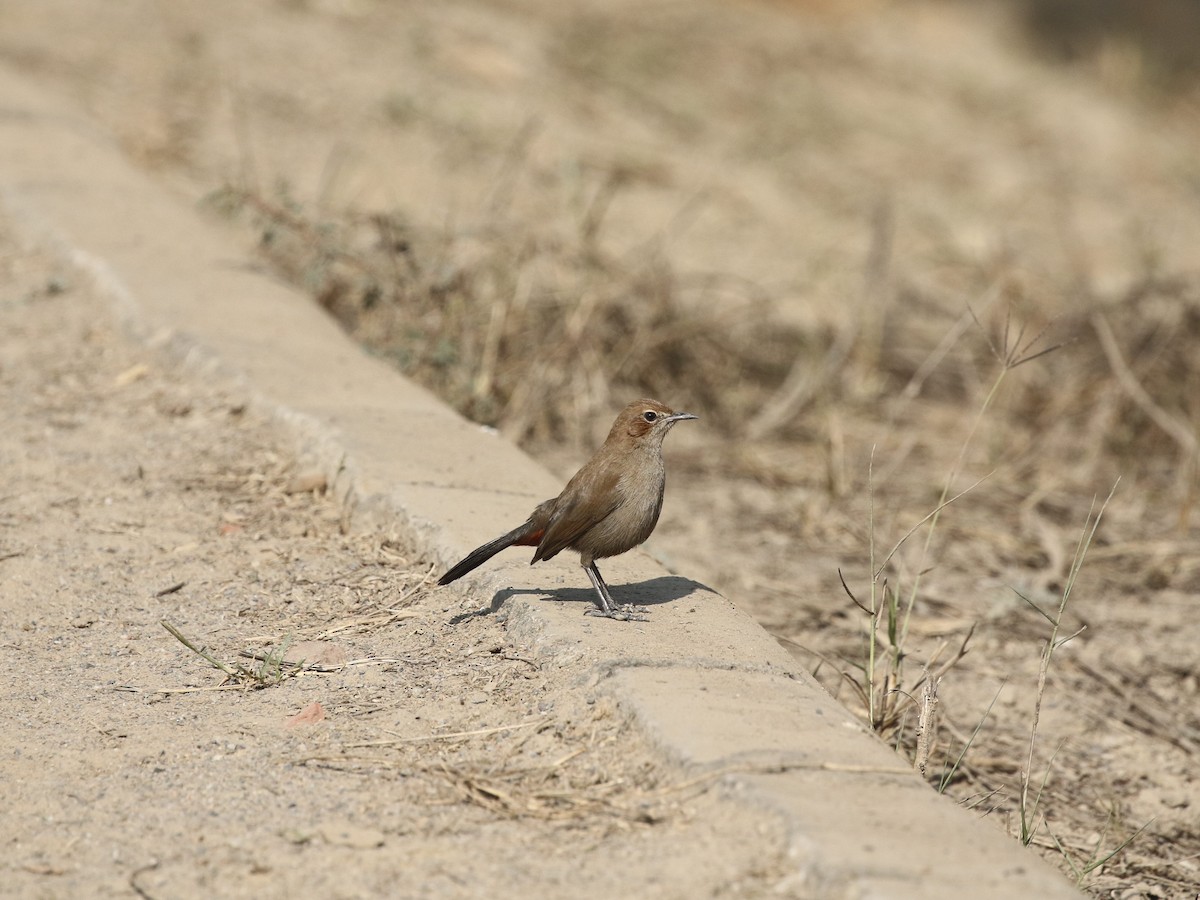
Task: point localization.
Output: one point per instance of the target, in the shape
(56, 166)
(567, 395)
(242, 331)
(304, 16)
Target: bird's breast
(640, 489)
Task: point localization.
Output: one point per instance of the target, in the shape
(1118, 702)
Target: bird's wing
(579, 512)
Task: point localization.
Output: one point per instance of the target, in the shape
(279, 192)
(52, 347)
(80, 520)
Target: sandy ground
(515, 115)
(417, 754)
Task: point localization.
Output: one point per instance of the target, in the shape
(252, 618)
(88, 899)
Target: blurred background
(888, 251)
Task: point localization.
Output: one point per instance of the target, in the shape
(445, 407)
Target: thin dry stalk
(949, 773)
(1011, 352)
(230, 671)
(952, 336)
(1028, 807)
(1177, 431)
(926, 725)
(447, 736)
(1183, 435)
(272, 669)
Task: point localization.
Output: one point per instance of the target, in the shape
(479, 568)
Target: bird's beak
(679, 417)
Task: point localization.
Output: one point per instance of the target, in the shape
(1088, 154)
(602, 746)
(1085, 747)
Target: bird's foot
(625, 613)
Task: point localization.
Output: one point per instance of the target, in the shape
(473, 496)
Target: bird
(609, 506)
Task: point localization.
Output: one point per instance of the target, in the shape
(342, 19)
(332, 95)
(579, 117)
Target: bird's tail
(477, 557)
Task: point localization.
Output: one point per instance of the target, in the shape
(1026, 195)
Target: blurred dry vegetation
(845, 234)
(1153, 41)
(541, 327)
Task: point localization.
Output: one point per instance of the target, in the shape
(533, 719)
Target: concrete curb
(701, 678)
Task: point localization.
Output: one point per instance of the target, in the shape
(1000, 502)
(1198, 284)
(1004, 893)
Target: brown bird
(609, 507)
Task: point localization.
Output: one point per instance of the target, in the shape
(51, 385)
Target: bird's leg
(606, 604)
(606, 607)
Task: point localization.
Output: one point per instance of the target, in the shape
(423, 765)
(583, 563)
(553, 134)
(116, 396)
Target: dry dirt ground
(866, 169)
(407, 752)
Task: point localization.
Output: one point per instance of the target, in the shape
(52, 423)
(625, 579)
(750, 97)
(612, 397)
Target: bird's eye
(650, 415)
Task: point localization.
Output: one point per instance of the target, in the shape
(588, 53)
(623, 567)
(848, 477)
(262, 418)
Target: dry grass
(499, 321)
(546, 768)
(518, 330)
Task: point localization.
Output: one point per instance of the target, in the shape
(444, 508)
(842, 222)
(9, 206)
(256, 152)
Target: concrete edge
(701, 678)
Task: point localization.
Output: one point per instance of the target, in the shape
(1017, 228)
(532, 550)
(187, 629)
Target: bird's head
(646, 420)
